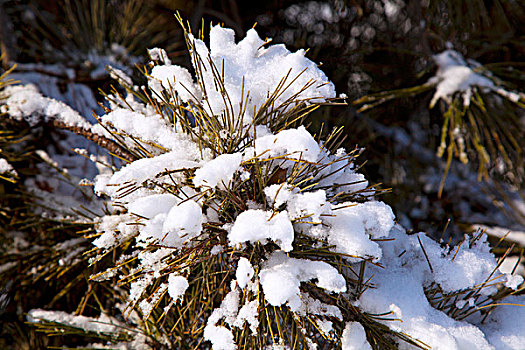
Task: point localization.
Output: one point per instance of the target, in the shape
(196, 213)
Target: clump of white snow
(184, 221)
(173, 78)
(113, 229)
(252, 72)
(152, 205)
(244, 272)
(353, 224)
(6, 168)
(278, 194)
(24, 102)
(354, 337)
(220, 337)
(399, 287)
(148, 127)
(158, 54)
(259, 225)
(177, 286)
(292, 143)
(308, 206)
(218, 171)
(281, 276)
(146, 169)
(120, 76)
(456, 75)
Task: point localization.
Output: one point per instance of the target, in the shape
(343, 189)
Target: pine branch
(100, 140)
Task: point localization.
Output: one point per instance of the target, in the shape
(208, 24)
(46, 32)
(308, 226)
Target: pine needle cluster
(206, 261)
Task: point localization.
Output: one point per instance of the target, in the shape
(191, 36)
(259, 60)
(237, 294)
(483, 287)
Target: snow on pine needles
(232, 223)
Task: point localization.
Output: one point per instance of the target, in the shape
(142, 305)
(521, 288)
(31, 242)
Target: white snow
(109, 225)
(153, 231)
(152, 261)
(183, 222)
(244, 272)
(293, 143)
(150, 127)
(315, 307)
(145, 169)
(278, 194)
(158, 54)
(470, 267)
(308, 206)
(177, 286)
(247, 63)
(513, 263)
(218, 171)
(173, 78)
(454, 75)
(512, 281)
(102, 324)
(398, 291)
(152, 205)
(24, 102)
(346, 180)
(281, 276)
(259, 225)
(120, 76)
(137, 288)
(505, 327)
(48, 78)
(399, 287)
(159, 211)
(325, 326)
(6, 168)
(147, 305)
(354, 337)
(353, 224)
(249, 313)
(220, 336)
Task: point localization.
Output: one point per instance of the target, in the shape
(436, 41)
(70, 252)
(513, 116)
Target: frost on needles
(233, 223)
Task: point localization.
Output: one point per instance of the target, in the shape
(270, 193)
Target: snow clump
(177, 285)
(6, 168)
(354, 337)
(457, 75)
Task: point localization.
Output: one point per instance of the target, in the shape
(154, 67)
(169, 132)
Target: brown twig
(100, 140)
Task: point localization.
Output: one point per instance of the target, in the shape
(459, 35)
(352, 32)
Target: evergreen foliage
(119, 270)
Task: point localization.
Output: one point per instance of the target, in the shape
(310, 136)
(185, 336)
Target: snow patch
(258, 225)
(281, 276)
(218, 171)
(177, 286)
(354, 337)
